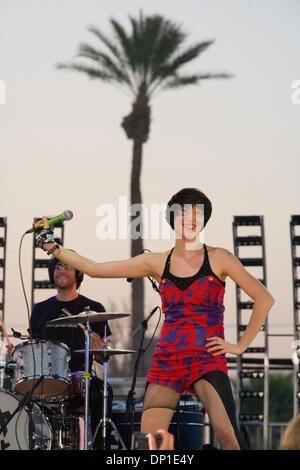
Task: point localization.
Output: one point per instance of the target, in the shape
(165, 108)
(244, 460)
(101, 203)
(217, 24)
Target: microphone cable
(23, 285)
(150, 341)
(155, 287)
(32, 349)
(28, 310)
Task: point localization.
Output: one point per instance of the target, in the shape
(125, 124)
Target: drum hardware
(45, 358)
(65, 427)
(87, 332)
(82, 319)
(130, 404)
(29, 429)
(6, 376)
(67, 434)
(38, 426)
(25, 400)
(105, 351)
(9, 344)
(61, 428)
(18, 335)
(45, 382)
(86, 376)
(61, 431)
(85, 318)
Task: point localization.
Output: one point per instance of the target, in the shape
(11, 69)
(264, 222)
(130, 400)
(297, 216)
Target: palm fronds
(149, 57)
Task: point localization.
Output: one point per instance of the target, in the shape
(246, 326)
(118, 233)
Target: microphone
(141, 326)
(16, 334)
(66, 215)
(130, 279)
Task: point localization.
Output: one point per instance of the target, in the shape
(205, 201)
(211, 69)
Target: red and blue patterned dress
(193, 308)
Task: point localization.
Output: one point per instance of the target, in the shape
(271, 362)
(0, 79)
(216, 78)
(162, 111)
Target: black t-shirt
(73, 335)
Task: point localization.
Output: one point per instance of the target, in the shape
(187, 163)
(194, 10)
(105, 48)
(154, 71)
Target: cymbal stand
(105, 393)
(105, 418)
(87, 332)
(86, 375)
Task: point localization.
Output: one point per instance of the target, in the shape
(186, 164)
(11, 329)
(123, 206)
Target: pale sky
(62, 146)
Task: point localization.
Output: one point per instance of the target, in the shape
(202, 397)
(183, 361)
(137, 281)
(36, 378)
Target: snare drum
(46, 358)
(29, 429)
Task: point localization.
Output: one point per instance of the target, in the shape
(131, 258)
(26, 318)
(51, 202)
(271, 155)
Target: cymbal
(85, 317)
(106, 351)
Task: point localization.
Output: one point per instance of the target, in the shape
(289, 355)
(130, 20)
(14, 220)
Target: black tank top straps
(184, 282)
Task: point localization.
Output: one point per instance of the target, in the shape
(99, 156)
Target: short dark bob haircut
(188, 196)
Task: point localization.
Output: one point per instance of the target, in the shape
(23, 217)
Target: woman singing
(190, 352)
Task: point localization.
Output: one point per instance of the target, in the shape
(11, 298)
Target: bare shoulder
(156, 263)
(223, 257)
(156, 256)
(231, 266)
(218, 252)
(222, 252)
(219, 258)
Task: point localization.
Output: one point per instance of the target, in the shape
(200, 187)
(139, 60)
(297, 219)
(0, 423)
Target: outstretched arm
(138, 266)
(263, 302)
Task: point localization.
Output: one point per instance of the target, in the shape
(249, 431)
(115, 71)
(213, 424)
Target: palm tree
(145, 61)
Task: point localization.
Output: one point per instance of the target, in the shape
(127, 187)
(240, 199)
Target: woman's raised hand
(43, 221)
(44, 237)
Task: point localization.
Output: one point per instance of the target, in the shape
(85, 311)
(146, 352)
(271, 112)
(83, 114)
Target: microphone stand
(130, 404)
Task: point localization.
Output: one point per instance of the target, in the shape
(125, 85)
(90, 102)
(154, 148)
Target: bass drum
(186, 426)
(28, 429)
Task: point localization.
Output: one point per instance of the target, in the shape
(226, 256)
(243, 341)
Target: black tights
(213, 390)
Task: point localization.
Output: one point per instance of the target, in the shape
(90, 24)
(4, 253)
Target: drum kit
(41, 377)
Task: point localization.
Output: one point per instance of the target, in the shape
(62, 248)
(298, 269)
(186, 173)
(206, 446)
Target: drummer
(67, 282)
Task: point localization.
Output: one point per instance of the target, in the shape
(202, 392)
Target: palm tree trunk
(136, 126)
(137, 291)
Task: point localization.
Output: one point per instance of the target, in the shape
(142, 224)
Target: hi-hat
(86, 317)
(105, 351)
